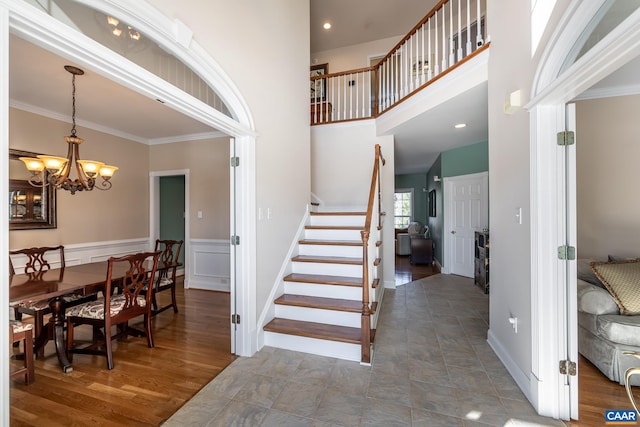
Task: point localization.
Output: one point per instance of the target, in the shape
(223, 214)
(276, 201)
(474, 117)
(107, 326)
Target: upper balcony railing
(452, 31)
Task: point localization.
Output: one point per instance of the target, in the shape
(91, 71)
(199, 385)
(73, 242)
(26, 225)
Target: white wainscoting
(83, 253)
(210, 265)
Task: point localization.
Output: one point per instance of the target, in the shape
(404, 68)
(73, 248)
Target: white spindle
(437, 57)
(452, 58)
(469, 27)
(479, 41)
(459, 32)
(424, 60)
(372, 90)
(429, 72)
(444, 38)
(351, 96)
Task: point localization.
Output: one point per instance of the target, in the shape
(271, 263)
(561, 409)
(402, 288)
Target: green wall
(417, 181)
(172, 209)
(465, 160)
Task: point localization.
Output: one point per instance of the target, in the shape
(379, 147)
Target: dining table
(54, 284)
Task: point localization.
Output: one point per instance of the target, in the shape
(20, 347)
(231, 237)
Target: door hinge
(566, 137)
(567, 252)
(235, 240)
(235, 162)
(235, 319)
(568, 367)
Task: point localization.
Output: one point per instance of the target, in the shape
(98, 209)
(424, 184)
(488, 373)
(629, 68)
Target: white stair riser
(331, 250)
(339, 350)
(332, 234)
(326, 291)
(351, 220)
(316, 315)
(327, 269)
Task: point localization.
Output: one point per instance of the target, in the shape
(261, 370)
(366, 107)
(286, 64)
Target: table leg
(57, 323)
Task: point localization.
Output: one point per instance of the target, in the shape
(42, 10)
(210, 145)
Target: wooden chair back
(141, 269)
(166, 280)
(38, 259)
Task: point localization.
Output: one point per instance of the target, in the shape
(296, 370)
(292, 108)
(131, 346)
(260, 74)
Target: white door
(466, 211)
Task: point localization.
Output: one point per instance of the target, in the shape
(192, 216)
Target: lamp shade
(53, 163)
(90, 167)
(107, 171)
(33, 164)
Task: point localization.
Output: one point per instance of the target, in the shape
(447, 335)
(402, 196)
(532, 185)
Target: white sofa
(603, 333)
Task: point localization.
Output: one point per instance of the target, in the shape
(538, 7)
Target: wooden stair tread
(314, 330)
(331, 242)
(327, 259)
(351, 306)
(341, 213)
(334, 227)
(324, 279)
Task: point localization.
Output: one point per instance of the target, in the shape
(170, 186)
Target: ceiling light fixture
(326, 25)
(50, 170)
(117, 31)
(460, 125)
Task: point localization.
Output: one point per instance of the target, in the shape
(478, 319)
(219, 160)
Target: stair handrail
(367, 265)
(439, 43)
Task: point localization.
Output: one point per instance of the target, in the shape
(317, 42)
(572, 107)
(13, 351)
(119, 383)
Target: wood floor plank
(147, 385)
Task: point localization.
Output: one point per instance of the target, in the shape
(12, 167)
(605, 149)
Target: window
(402, 208)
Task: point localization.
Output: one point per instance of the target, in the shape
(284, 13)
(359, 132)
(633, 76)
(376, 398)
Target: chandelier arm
(83, 179)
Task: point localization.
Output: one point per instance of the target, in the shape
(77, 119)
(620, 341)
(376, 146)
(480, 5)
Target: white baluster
(424, 60)
(452, 57)
(469, 49)
(444, 39)
(429, 72)
(479, 41)
(459, 32)
(350, 96)
(437, 57)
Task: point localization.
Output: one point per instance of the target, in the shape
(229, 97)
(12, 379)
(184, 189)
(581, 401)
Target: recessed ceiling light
(460, 125)
(326, 25)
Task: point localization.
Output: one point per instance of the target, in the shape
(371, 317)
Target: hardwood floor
(147, 385)
(406, 272)
(596, 392)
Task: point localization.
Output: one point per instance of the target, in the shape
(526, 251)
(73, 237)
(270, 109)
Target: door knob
(453, 231)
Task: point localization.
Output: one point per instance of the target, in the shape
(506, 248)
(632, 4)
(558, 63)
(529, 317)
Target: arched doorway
(21, 19)
(553, 188)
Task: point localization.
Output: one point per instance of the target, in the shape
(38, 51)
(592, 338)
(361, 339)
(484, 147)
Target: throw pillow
(586, 273)
(622, 280)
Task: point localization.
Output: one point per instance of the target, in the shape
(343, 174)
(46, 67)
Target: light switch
(518, 215)
(199, 214)
(269, 213)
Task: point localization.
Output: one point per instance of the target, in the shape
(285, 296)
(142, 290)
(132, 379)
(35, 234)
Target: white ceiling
(360, 21)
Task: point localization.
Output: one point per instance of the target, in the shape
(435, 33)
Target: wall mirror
(29, 207)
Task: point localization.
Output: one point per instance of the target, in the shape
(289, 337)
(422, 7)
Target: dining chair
(23, 333)
(36, 265)
(116, 309)
(166, 277)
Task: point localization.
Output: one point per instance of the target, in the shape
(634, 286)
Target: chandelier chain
(73, 105)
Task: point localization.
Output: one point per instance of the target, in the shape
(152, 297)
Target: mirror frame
(48, 194)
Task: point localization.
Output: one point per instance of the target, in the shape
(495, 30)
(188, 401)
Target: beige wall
(208, 165)
(117, 214)
(356, 56)
(264, 48)
(607, 153)
(511, 67)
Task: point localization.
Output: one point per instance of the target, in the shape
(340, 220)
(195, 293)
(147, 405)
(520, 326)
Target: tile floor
(431, 367)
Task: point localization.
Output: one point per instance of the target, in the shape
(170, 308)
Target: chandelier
(54, 171)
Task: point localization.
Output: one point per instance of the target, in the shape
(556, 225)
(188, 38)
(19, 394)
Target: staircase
(320, 311)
